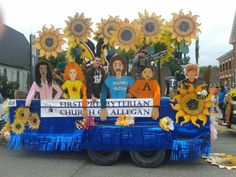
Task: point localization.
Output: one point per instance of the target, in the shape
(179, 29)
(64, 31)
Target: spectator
(221, 104)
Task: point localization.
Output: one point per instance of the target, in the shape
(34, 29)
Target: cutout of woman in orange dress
(148, 88)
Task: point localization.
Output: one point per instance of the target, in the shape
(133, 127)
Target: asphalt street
(64, 164)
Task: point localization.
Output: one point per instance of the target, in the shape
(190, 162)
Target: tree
(7, 89)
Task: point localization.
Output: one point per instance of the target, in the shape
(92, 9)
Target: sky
(216, 17)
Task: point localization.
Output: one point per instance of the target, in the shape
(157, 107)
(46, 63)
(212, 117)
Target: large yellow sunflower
(49, 42)
(34, 121)
(20, 115)
(17, 127)
(191, 108)
(151, 26)
(127, 36)
(165, 42)
(183, 27)
(106, 27)
(78, 29)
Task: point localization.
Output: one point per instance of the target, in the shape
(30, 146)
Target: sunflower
(183, 27)
(151, 26)
(49, 42)
(165, 43)
(227, 161)
(34, 121)
(78, 29)
(17, 127)
(190, 107)
(106, 27)
(127, 36)
(7, 126)
(20, 115)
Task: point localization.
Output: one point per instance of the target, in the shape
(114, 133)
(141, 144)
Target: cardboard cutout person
(74, 84)
(191, 74)
(43, 85)
(117, 84)
(148, 88)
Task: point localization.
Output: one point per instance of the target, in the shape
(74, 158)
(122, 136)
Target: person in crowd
(214, 92)
(148, 88)
(95, 77)
(57, 76)
(117, 84)
(221, 104)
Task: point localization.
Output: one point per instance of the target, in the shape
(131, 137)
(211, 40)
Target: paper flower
(189, 107)
(127, 36)
(49, 42)
(125, 120)
(183, 26)
(78, 29)
(34, 121)
(106, 27)
(85, 123)
(151, 26)
(227, 161)
(20, 115)
(167, 123)
(18, 126)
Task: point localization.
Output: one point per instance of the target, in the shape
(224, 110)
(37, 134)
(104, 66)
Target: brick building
(227, 62)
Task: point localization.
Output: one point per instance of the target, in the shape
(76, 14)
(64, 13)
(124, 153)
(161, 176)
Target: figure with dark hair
(117, 84)
(139, 62)
(148, 88)
(43, 84)
(95, 77)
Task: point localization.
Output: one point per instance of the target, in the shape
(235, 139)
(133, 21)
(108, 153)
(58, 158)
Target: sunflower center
(184, 26)
(110, 29)
(49, 42)
(22, 114)
(34, 121)
(192, 104)
(126, 35)
(78, 28)
(18, 126)
(149, 27)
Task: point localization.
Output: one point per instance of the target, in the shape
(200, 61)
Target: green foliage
(7, 89)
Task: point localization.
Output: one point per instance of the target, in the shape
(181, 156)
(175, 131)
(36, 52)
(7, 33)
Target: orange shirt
(147, 89)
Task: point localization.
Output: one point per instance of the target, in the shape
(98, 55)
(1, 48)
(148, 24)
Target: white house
(15, 57)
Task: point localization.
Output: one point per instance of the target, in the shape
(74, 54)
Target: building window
(226, 66)
(223, 67)
(5, 72)
(18, 76)
(229, 64)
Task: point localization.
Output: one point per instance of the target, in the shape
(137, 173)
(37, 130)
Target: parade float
(140, 121)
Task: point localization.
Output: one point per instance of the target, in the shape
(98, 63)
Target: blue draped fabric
(61, 134)
(190, 149)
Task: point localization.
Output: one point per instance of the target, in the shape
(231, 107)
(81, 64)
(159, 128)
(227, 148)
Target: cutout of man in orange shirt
(148, 88)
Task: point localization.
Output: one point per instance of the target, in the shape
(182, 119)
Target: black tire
(148, 159)
(104, 158)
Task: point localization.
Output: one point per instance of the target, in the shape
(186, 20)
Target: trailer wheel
(105, 158)
(148, 159)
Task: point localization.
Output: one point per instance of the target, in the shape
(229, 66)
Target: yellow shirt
(74, 90)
